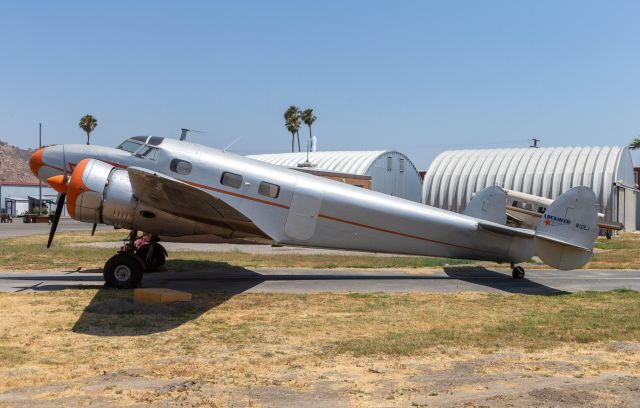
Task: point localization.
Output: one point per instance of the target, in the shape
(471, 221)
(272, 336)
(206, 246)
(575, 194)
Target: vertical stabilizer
(568, 229)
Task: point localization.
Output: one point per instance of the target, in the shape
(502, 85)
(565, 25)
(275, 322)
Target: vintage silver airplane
(167, 187)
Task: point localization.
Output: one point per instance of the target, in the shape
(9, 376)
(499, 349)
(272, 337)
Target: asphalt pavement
(233, 281)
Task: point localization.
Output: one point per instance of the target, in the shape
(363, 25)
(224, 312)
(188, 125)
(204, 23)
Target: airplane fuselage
(306, 210)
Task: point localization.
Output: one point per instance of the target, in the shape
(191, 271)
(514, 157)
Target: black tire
(518, 272)
(158, 257)
(123, 271)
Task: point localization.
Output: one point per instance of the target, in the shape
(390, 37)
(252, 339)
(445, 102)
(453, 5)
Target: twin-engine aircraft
(166, 187)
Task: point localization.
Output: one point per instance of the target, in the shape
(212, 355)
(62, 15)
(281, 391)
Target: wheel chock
(154, 296)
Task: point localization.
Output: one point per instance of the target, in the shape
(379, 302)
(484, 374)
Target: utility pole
(534, 143)
(39, 181)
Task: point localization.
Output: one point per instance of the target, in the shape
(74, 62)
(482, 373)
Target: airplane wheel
(518, 272)
(158, 257)
(123, 271)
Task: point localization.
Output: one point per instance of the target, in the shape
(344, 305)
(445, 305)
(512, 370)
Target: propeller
(93, 230)
(59, 183)
(56, 217)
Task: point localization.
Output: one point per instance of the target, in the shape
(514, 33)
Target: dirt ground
(92, 347)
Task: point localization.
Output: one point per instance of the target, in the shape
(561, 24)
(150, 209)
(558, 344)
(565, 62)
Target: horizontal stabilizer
(506, 230)
(568, 229)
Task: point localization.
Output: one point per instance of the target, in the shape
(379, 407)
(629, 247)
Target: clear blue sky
(419, 77)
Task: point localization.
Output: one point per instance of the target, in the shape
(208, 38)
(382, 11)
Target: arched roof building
(455, 175)
(391, 172)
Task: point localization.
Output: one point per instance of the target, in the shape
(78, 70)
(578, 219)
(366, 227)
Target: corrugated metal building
(391, 172)
(455, 175)
(14, 194)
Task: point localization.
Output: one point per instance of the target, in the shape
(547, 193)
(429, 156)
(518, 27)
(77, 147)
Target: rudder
(568, 229)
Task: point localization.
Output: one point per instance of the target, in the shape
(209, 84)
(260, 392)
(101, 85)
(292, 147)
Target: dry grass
(29, 253)
(622, 252)
(84, 332)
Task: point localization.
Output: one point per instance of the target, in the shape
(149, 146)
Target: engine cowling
(99, 192)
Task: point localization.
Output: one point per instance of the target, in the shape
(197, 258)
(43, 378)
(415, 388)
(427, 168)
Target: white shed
(16, 206)
(455, 175)
(391, 172)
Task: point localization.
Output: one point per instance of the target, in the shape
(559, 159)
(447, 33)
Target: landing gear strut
(136, 257)
(517, 272)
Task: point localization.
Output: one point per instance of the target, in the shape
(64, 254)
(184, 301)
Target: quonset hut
(391, 172)
(455, 175)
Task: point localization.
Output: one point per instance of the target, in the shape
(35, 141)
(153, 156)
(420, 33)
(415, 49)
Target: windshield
(130, 145)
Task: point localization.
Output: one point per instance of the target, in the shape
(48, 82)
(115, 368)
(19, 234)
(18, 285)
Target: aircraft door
(304, 210)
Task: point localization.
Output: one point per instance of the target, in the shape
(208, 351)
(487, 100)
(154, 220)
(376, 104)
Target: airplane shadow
(113, 312)
(479, 275)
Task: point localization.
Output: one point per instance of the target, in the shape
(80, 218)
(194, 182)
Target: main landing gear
(139, 255)
(517, 272)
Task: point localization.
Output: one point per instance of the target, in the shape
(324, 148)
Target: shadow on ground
(479, 275)
(113, 312)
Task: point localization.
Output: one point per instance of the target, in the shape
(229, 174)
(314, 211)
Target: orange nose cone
(58, 183)
(36, 162)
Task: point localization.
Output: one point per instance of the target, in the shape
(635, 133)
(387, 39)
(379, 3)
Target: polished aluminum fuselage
(316, 212)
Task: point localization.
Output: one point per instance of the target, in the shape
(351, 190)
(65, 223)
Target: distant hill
(14, 164)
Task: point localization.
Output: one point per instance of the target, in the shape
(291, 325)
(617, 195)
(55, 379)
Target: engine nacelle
(99, 192)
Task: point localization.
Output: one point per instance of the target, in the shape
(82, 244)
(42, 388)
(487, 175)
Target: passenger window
(231, 180)
(180, 166)
(268, 189)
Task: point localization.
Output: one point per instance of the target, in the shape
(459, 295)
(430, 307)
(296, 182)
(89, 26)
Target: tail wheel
(153, 260)
(123, 271)
(517, 272)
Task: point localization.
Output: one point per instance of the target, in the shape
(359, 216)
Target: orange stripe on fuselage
(236, 194)
(402, 234)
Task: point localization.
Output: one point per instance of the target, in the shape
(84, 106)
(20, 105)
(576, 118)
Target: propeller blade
(56, 218)
(93, 230)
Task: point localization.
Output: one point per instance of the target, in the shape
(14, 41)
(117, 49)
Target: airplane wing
(183, 200)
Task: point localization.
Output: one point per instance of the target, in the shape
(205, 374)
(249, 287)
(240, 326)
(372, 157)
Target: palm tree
(635, 144)
(308, 118)
(88, 123)
(292, 123)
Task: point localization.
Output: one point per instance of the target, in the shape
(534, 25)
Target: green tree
(292, 123)
(635, 144)
(308, 118)
(88, 123)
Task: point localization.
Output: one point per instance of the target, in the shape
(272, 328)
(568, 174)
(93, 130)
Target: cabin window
(389, 163)
(401, 165)
(180, 166)
(268, 189)
(541, 210)
(231, 180)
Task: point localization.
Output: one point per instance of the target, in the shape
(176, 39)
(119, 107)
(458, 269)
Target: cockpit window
(130, 146)
(155, 140)
(148, 152)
